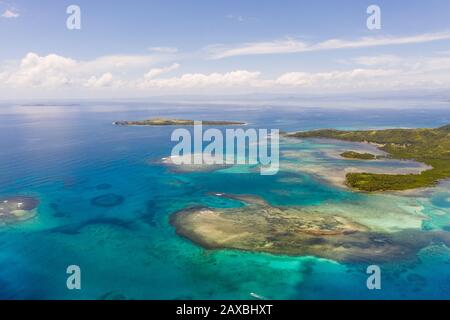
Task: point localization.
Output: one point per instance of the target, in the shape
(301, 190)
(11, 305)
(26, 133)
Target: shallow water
(68, 156)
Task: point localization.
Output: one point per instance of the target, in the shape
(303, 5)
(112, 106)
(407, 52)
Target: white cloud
(378, 60)
(53, 70)
(36, 71)
(153, 73)
(106, 80)
(417, 64)
(200, 80)
(296, 46)
(126, 74)
(334, 79)
(120, 62)
(255, 48)
(238, 18)
(168, 50)
(379, 73)
(8, 14)
(434, 64)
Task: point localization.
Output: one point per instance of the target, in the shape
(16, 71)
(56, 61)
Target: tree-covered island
(429, 146)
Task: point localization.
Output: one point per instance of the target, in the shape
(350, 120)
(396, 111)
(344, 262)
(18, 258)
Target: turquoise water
(66, 156)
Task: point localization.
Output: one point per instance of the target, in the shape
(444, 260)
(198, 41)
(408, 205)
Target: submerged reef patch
(58, 213)
(73, 229)
(299, 231)
(108, 200)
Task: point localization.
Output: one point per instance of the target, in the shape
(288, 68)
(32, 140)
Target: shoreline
(176, 123)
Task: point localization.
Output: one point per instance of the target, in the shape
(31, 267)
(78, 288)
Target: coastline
(176, 123)
(323, 168)
(425, 145)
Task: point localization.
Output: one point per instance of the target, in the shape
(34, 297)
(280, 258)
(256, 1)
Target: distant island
(176, 122)
(429, 146)
(357, 155)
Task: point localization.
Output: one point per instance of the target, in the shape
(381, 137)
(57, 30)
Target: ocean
(105, 200)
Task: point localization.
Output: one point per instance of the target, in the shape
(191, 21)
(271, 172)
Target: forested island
(176, 122)
(429, 146)
(357, 155)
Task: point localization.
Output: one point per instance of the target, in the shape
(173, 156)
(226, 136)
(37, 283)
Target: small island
(16, 209)
(429, 146)
(357, 155)
(176, 122)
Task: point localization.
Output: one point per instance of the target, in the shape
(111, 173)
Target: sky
(141, 48)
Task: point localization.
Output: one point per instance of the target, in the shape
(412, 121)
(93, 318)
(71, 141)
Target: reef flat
(429, 146)
(299, 231)
(195, 162)
(329, 166)
(175, 122)
(16, 209)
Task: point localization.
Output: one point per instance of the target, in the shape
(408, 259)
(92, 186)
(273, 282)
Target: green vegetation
(175, 122)
(357, 155)
(430, 146)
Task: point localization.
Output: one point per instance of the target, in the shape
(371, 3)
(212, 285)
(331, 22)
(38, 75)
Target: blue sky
(145, 48)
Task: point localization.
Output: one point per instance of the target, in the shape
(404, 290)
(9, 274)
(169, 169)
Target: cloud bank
(155, 73)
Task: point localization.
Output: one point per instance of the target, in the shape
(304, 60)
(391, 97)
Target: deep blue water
(66, 156)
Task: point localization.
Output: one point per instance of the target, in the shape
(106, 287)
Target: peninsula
(429, 146)
(175, 122)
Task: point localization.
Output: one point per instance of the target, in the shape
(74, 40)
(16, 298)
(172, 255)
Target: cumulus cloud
(136, 74)
(8, 14)
(54, 70)
(35, 71)
(105, 80)
(290, 45)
